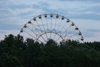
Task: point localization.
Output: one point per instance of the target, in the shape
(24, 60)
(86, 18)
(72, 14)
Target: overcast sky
(85, 14)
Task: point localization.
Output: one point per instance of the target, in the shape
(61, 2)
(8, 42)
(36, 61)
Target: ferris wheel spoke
(30, 34)
(64, 28)
(56, 21)
(59, 37)
(73, 37)
(56, 26)
(32, 31)
(50, 28)
(44, 28)
(39, 27)
(42, 38)
(66, 31)
(43, 25)
(72, 34)
(61, 28)
(46, 22)
(36, 27)
(39, 41)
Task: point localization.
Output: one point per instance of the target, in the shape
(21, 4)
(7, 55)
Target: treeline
(15, 52)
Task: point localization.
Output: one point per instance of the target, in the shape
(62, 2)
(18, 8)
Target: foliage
(17, 52)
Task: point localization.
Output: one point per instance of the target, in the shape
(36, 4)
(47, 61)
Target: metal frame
(59, 17)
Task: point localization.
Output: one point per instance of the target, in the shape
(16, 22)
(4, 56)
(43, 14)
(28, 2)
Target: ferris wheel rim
(52, 15)
(50, 32)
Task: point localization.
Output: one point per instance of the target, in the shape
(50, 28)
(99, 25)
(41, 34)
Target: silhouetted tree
(17, 52)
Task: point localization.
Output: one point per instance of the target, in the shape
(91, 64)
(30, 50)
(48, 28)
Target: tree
(18, 52)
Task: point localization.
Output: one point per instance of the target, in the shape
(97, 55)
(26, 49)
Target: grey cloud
(81, 0)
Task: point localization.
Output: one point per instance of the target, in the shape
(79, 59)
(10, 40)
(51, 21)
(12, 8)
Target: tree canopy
(17, 52)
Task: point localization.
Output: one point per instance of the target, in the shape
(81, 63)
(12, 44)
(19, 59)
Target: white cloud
(96, 37)
(26, 2)
(12, 21)
(7, 32)
(71, 4)
(72, 8)
(87, 23)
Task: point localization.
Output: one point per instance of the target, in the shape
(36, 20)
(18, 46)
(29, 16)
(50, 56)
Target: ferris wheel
(51, 26)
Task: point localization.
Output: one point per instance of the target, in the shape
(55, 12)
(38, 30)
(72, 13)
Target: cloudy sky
(85, 14)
